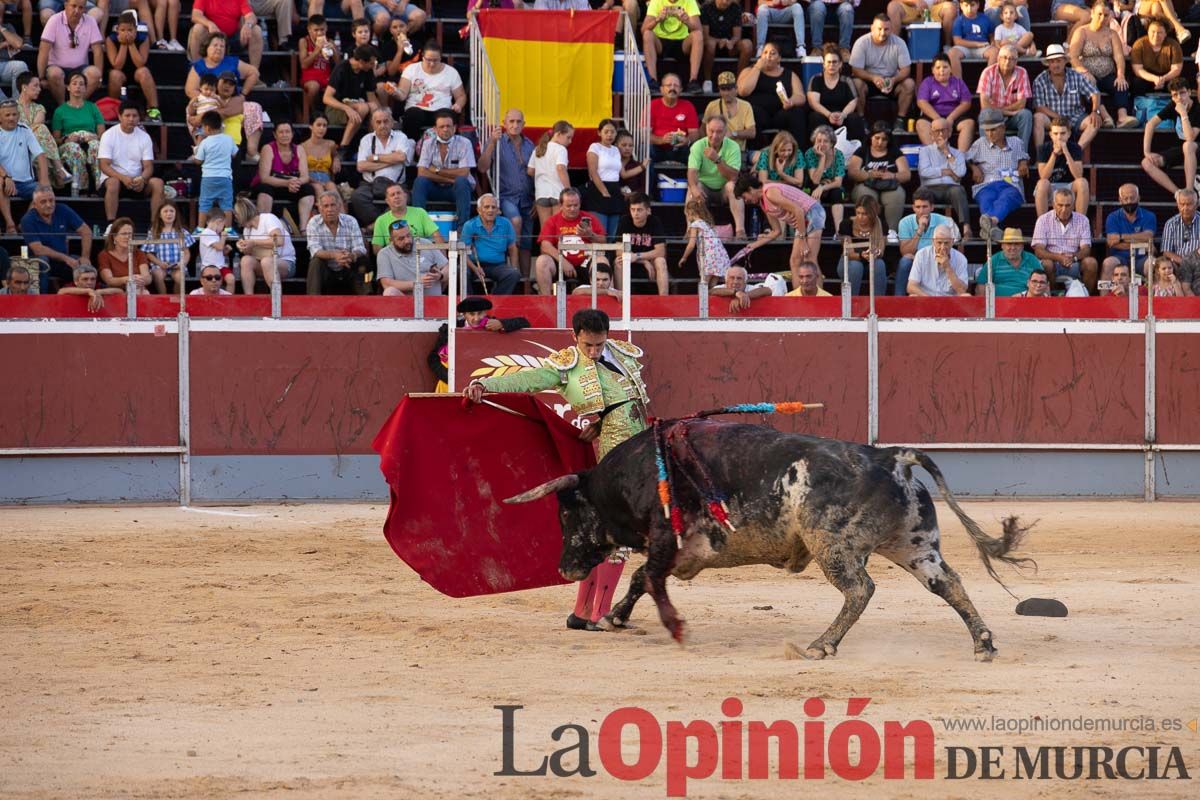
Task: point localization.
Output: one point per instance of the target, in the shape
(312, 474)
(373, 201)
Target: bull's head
(584, 542)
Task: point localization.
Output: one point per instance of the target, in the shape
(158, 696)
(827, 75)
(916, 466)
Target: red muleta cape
(448, 469)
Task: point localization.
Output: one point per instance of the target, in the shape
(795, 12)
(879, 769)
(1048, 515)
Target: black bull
(793, 499)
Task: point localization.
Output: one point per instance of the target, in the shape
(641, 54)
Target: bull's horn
(549, 487)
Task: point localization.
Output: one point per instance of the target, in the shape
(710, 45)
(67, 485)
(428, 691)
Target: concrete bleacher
(1112, 159)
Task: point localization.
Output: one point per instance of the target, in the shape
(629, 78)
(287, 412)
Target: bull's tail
(989, 547)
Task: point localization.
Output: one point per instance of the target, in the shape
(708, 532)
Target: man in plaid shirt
(999, 165)
(1062, 239)
(1181, 239)
(1060, 92)
(444, 169)
(337, 256)
(1005, 86)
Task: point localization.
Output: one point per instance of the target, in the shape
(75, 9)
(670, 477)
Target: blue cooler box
(809, 69)
(924, 40)
(444, 221)
(671, 190)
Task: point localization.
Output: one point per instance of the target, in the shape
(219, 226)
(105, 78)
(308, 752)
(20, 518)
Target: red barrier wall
(1011, 387)
(1177, 388)
(89, 390)
(313, 391)
(300, 393)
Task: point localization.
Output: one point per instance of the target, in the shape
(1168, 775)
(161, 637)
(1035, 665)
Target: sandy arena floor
(284, 651)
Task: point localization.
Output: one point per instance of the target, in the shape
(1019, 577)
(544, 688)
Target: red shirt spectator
(564, 234)
(664, 120)
(227, 14)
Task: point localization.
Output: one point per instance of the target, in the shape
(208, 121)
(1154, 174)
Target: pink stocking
(607, 576)
(583, 599)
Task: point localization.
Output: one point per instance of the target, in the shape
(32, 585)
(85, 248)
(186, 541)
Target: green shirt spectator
(709, 175)
(418, 220)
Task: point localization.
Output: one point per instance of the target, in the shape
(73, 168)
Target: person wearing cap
(721, 26)
(1060, 92)
(738, 114)
(999, 166)
(491, 242)
(400, 265)
(939, 270)
(1062, 239)
(473, 316)
(1012, 265)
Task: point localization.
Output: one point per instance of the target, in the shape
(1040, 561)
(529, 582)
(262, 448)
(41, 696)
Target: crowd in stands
(789, 152)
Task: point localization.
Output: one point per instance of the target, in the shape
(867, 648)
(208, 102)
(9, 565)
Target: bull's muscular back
(780, 487)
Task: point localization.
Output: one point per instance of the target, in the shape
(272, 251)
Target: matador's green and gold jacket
(590, 388)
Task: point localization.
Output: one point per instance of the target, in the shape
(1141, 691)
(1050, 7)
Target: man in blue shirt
(916, 233)
(512, 149)
(20, 155)
(491, 243)
(46, 226)
(1127, 225)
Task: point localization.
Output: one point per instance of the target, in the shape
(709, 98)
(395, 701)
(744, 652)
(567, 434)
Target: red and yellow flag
(552, 64)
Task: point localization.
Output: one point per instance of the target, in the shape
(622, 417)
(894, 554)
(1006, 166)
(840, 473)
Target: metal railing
(635, 106)
(485, 98)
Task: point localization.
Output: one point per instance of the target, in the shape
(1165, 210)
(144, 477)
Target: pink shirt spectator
(1001, 95)
(1050, 233)
(58, 33)
(791, 194)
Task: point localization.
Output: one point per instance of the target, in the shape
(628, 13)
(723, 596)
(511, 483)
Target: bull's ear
(549, 487)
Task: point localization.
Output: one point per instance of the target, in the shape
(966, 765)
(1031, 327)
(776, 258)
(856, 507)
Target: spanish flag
(552, 64)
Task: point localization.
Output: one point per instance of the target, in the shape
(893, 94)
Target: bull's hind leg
(847, 572)
(660, 560)
(919, 552)
(619, 618)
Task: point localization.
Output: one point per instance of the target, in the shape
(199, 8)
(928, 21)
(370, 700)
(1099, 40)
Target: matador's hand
(592, 431)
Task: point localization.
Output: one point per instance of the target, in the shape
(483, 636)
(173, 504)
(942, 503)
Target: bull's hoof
(985, 654)
(677, 632)
(611, 623)
(814, 652)
(984, 649)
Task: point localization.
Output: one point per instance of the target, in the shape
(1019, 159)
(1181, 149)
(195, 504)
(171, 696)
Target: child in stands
(318, 54)
(214, 251)
(201, 104)
(215, 154)
(714, 258)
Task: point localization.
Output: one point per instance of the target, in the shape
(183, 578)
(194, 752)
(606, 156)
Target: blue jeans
(856, 276)
(9, 72)
(1022, 17)
(998, 199)
(425, 190)
(1021, 124)
(768, 16)
(503, 277)
(816, 20)
(903, 270)
(521, 209)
